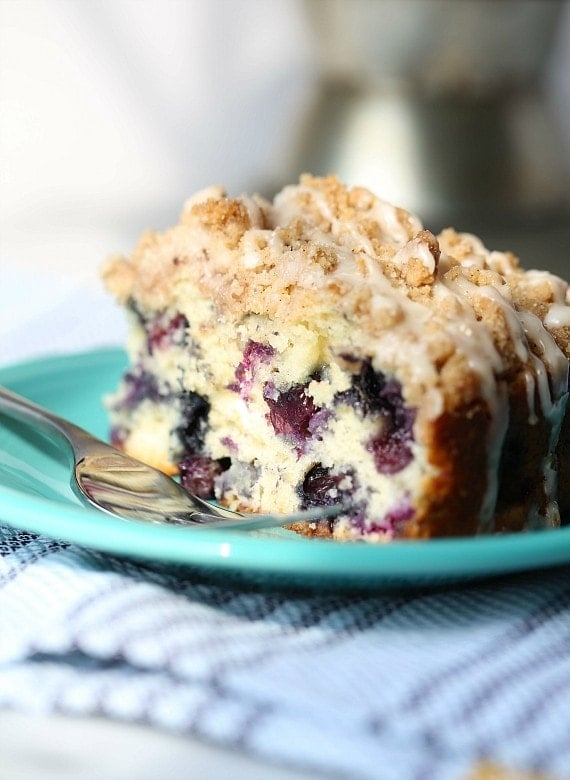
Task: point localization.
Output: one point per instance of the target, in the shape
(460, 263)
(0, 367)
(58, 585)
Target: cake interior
(309, 426)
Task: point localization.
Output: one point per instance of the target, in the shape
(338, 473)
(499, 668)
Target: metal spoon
(109, 480)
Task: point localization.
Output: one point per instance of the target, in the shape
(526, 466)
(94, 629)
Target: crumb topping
(437, 308)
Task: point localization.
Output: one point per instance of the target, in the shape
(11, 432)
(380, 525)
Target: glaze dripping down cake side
(327, 348)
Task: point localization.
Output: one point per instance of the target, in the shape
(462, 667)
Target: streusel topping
(322, 253)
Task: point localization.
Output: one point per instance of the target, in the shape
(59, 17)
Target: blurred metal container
(437, 105)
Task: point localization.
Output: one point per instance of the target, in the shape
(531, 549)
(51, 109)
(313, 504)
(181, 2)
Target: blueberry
(391, 447)
(391, 524)
(118, 436)
(228, 442)
(139, 386)
(198, 473)
(163, 332)
(290, 411)
(399, 515)
(321, 487)
(254, 354)
(194, 413)
(369, 391)
(391, 451)
(376, 396)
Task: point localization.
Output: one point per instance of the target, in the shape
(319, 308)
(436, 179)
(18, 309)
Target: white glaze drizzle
(550, 355)
(558, 286)
(530, 396)
(475, 342)
(550, 382)
(416, 249)
(558, 316)
(513, 323)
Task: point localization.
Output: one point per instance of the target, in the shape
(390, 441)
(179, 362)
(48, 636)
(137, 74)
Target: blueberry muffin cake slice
(325, 347)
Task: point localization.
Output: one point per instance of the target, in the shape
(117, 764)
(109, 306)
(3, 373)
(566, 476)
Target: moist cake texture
(325, 347)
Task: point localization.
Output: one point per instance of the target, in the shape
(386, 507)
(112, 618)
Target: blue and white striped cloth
(415, 685)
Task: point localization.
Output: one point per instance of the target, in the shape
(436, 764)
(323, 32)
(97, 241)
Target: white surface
(60, 748)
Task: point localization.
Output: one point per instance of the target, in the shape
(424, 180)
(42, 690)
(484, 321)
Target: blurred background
(113, 111)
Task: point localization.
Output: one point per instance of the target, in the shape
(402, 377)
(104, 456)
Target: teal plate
(35, 496)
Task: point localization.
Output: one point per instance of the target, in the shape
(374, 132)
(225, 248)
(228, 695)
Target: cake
(326, 348)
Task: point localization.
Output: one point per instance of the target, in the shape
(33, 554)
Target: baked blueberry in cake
(325, 347)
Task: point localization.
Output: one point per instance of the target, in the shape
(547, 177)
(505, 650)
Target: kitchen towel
(392, 685)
